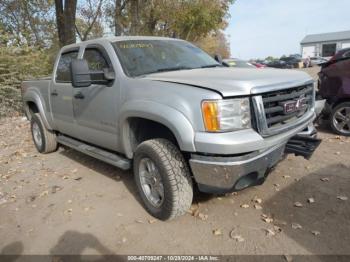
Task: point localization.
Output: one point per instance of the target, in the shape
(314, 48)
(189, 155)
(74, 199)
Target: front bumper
(218, 175)
(227, 174)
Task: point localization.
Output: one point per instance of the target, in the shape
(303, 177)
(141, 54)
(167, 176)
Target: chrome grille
(278, 110)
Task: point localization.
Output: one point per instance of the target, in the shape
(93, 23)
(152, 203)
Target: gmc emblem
(294, 105)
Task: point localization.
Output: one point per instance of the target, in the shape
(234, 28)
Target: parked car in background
(234, 62)
(334, 86)
(277, 64)
(341, 54)
(258, 65)
(292, 61)
(297, 56)
(317, 60)
(287, 62)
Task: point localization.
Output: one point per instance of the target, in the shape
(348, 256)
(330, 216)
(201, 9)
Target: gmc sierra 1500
(174, 114)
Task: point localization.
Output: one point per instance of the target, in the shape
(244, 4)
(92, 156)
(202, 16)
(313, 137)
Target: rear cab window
(63, 68)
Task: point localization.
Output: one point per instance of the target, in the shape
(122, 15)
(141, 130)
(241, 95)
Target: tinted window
(139, 57)
(63, 68)
(95, 59)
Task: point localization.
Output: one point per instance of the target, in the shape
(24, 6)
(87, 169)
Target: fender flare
(35, 97)
(173, 119)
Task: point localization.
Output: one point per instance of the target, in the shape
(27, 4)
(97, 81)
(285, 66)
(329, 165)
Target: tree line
(32, 31)
(56, 23)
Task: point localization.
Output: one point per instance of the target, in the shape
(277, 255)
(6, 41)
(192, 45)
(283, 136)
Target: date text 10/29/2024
(173, 258)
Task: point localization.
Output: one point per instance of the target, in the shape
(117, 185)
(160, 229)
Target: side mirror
(218, 58)
(102, 77)
(80, 73)
(108, 75)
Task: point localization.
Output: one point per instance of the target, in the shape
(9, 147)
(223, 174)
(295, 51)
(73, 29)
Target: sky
(260, 28)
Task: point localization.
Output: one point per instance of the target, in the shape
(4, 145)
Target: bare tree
(65, 18)
(29, 22)
(119, 8)
(134, 11)
(90, 15)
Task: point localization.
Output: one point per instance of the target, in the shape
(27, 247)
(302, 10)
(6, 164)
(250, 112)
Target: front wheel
(340, 119)
(163, 179)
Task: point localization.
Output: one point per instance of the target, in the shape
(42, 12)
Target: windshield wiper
(167, 70)
(173, 68)
(213, 65)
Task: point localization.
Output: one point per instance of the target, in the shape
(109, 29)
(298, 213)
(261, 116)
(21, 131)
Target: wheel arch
(32, 103)
(340, 101)
(169, 120)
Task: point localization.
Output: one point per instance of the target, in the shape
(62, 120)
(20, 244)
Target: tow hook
(302, 146)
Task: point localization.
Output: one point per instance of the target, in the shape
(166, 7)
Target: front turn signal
(210, 116)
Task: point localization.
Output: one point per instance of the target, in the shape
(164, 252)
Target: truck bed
(40, 83)
(39, 86)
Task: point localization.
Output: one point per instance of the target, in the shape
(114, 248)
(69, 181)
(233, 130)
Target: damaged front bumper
(216, 174)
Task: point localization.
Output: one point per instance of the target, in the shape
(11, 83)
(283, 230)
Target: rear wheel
(44, 140)
(163, 179)
(340, 119)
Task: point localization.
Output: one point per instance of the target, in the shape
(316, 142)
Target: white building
(324, 45)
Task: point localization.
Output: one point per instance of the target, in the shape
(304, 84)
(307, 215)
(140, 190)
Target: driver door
(95, 107)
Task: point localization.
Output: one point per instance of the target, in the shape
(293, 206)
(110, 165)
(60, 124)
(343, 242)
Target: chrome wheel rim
(37, 134)
(151, 182)
(341, 120)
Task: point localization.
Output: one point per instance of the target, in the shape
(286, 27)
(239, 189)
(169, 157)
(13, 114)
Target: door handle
(79, 95)
(54, 93)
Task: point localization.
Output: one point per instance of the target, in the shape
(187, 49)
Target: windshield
(140, 57)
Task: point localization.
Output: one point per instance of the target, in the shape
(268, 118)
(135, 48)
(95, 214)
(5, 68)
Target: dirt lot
(69, 203)
(66, 202)
(312, 71)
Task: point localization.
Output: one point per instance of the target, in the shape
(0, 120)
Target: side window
(95, 59)
(63, 68)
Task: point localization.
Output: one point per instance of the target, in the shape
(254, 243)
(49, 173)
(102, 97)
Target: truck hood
(235, 81)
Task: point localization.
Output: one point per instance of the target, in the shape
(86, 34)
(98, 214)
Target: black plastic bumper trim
(302, 146)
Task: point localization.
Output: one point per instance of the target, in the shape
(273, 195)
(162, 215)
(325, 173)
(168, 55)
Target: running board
(106, 156)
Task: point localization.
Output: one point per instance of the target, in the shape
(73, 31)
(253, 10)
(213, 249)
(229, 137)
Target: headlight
(226, 115)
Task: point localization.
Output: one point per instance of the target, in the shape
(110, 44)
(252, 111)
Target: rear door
(95, 107)
(61, 91)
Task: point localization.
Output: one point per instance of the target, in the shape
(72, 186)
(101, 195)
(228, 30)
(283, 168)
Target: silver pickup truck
(174, 114)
